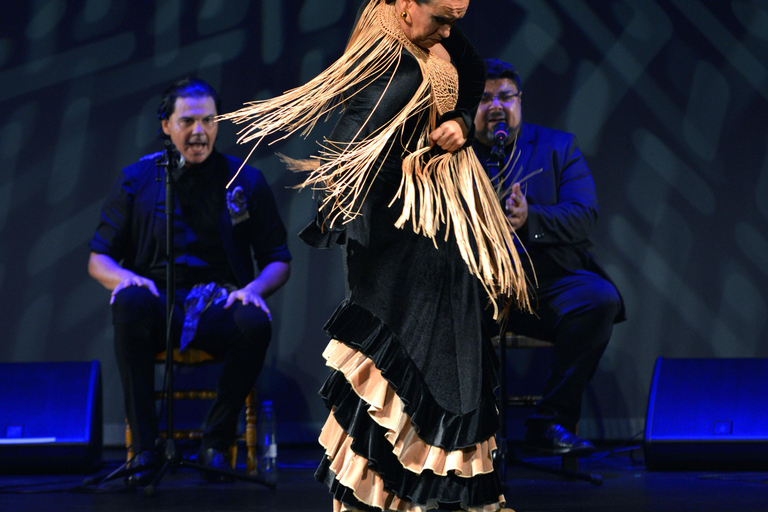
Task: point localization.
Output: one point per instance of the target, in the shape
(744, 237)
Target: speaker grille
(46, 400)
(708, 414)
(718, 399)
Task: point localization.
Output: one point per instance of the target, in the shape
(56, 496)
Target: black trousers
(239, 335)
(576, 311)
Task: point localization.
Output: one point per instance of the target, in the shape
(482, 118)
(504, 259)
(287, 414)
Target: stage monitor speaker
(50, 417)
(707, 414)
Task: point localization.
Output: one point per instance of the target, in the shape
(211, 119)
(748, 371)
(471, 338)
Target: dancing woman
(411, 392)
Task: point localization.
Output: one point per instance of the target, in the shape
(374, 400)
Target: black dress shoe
(213, 458)
(557, 440)
(146, 465)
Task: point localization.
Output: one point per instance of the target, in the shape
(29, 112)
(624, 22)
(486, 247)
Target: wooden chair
(192, 357)
(568, 463)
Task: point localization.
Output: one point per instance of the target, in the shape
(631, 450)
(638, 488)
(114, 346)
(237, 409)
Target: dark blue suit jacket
(562, 201)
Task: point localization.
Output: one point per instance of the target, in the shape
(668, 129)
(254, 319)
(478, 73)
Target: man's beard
(490, 131)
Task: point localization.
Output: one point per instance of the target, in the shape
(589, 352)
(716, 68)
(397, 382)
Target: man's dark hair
(499, 69)
(187, 87)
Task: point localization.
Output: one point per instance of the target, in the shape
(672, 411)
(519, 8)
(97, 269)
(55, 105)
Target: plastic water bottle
(267, 431)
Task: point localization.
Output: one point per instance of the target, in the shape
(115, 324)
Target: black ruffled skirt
(411, 394)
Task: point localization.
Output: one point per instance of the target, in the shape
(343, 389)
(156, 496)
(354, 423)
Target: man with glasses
(547, 191)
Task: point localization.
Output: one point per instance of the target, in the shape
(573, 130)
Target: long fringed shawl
(450, 189)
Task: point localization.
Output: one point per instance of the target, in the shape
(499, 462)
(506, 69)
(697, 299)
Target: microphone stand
(496, 162)
(173, 161)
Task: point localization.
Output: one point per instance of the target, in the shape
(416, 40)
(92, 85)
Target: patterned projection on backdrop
(667, 97)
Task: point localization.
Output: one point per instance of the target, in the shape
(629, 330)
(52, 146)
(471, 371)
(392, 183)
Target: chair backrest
(189, 356)
(512, 340)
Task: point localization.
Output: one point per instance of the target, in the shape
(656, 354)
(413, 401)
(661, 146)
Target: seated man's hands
(248, 296)
(271, 277)
(516, 207)
(134, 280)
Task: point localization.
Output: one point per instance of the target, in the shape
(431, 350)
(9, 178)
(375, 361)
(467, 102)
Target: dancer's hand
(450, 136)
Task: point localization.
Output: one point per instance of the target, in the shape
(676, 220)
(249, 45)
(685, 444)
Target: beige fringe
(451, 189)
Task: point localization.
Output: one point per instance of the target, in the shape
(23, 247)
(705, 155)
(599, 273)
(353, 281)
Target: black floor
(626, 486)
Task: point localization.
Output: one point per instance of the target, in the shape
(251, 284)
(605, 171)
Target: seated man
(548, 193)
(220, 302)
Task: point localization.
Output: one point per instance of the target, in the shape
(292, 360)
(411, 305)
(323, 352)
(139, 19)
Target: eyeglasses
(503, 97)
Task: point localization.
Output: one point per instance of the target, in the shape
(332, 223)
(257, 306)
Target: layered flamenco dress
(412, 390)
(411, 393)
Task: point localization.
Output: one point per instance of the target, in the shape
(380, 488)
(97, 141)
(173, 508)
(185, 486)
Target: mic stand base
(509, 458)
(172, 460)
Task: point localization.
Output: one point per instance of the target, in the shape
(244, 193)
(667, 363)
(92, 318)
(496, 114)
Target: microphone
(175, 159)
(500, 132)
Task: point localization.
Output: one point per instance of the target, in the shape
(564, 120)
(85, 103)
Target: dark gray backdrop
(668, 99)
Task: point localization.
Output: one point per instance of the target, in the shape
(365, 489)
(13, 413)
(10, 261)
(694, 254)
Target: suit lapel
(523, 153)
